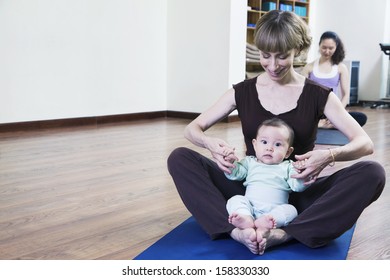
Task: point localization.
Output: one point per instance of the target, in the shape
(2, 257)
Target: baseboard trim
(99, 120)
(191, 116)
(83, 121)
(182, 115)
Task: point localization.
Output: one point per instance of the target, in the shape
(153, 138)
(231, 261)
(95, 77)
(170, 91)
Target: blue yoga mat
(331, 137)
(189, 242)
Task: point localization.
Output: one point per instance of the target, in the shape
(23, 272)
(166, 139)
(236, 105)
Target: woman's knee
(374, 173)
(379, 173)
(360, 117)
(372, 170)
(177, 156)
(182, 158)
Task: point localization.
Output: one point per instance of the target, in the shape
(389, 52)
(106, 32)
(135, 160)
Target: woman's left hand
(310, 165)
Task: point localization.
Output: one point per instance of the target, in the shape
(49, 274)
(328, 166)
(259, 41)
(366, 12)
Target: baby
(268, 180)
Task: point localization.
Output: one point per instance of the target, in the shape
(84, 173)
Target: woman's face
(327, 48)
(277, 65)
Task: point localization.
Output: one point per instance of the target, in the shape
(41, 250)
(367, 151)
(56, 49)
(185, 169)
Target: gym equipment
(385, 101)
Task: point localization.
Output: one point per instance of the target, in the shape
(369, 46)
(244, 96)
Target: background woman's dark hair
(339, 54)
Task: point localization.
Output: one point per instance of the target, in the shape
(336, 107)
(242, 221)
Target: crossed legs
(204, 190)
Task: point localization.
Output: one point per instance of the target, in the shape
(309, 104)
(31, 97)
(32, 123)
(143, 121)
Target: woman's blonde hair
(282, 31)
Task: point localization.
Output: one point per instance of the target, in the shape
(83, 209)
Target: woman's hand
(222, 153)
(310, 165)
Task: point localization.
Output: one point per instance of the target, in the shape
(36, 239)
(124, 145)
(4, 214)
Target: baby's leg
(240, 212)
(241, 221)
(283, 214)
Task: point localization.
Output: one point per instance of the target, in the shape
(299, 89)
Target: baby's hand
(300, 165)
(222, 153)
(230, 158)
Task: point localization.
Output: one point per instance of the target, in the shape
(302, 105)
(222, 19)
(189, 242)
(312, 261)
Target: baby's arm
(296, 185)
(240, 170)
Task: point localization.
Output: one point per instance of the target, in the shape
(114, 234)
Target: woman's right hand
(222, 153)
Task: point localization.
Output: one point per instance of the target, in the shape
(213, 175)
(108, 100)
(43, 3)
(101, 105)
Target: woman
(329, 71)
(331, 205)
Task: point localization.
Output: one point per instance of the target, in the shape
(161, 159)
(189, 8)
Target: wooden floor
(105, 193)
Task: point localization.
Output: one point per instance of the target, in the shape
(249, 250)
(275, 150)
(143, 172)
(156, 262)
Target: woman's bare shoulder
(342, 67)
(307, 69)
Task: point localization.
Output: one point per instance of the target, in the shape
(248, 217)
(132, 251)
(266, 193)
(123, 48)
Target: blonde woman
(331, 205)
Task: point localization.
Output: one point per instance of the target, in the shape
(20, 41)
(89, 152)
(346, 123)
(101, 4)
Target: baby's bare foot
(241, 221)
(263, 224)
(266, 222)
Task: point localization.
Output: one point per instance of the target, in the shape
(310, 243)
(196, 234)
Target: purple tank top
(330, 80)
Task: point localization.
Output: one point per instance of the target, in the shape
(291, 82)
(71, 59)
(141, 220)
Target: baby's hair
(276, 122)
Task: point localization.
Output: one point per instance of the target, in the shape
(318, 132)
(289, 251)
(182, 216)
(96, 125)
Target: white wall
(361, 25)
(237, 50)
(77, 58)
(205, 53)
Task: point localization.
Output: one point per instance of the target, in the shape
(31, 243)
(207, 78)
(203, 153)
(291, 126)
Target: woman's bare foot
(241, 221)
(272, 238)
(246, 237)
(325, 123)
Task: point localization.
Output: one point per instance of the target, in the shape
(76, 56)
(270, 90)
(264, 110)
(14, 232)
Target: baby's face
(272, 144)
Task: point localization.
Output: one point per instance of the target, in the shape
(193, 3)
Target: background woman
(329, 70)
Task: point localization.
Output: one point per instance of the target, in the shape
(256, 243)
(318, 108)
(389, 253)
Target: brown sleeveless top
(303, 119)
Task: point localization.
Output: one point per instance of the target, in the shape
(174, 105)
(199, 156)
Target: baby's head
(274, 141)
